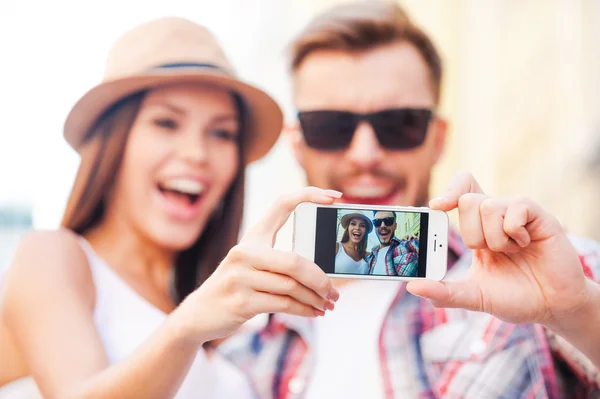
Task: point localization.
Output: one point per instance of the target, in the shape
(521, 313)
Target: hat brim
(265, 116)
(346, 219)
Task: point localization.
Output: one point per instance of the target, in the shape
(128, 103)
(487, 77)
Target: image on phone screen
(371, 242)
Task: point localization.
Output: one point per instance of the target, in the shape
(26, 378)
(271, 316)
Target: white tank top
(125, 320)
(345, 264)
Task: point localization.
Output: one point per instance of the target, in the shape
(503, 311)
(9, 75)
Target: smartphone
(355, 241)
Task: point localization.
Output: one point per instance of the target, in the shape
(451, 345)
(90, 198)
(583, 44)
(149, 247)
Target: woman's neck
(135, 257)
(351, 245)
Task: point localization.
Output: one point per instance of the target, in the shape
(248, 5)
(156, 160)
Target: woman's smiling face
(181, 158)
(357, 229)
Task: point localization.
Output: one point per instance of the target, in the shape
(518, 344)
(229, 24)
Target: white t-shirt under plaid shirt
(346, 344)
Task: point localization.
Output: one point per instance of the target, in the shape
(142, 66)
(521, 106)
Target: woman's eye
(166, 123)
(224, 134)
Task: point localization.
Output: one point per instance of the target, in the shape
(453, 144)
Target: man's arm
(406, 260)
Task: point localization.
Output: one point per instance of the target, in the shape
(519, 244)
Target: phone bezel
(305, 220)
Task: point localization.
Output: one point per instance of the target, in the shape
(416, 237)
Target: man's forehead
(388, 76)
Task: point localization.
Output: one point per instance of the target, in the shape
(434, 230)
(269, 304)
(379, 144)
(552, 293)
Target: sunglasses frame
(374, 119)
(383, 221)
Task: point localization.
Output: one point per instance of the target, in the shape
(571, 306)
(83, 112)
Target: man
(366, 84)
(392, 257)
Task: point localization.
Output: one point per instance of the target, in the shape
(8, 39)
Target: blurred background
(521, 92)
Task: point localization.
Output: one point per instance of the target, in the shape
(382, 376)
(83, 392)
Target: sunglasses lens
(327, 130)
(402, 128)
(387, 221)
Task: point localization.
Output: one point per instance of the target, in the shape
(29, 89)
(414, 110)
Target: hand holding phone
(373, 242)
(254, 278)
(524, 267)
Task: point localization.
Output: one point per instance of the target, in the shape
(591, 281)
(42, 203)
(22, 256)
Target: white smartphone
(355, 241)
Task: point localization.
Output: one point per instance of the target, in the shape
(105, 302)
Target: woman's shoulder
(50, 249)
(47, 262)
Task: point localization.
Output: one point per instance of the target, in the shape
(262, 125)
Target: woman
(350, 255)
(108, 306)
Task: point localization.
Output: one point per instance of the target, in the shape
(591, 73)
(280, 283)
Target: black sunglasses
(388, 221)
(396, 129)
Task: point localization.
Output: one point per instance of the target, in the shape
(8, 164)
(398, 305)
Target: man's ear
(294, 135)
(441, 133)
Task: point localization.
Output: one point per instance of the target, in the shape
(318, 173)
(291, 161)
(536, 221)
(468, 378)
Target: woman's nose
(192, 147)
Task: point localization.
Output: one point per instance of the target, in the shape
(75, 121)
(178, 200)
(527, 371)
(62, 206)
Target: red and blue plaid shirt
(401, 259)
(453, 353)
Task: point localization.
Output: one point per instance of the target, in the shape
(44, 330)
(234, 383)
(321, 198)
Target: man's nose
(365, 151)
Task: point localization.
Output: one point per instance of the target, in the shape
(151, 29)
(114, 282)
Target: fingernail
(318, 312)
(333, 193)
(329, 305)
(333, 295)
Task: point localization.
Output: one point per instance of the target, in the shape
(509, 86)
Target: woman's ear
(294, 135)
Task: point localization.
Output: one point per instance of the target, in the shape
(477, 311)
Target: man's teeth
(367, 192)
(186, 186)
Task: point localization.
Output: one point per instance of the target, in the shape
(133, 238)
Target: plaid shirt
(452, 353)
(401, 259)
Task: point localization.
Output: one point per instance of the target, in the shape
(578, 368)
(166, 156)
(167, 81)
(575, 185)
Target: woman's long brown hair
(101, 158)
(362, 246)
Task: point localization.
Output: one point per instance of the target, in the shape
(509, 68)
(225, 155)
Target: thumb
(266, 229)
(448, 294)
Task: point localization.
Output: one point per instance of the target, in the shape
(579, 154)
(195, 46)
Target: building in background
(14, 222)
(409, 224)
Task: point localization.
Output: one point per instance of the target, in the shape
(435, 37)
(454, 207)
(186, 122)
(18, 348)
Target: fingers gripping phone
(373, 242)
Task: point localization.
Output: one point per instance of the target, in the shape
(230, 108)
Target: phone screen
(371, 242)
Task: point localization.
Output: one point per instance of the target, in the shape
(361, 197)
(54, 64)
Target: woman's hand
(254, 278)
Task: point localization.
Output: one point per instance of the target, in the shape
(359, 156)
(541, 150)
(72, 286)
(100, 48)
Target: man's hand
(524, 267)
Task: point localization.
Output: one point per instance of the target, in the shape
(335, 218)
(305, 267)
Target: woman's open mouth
(182, 196)
(357, 234)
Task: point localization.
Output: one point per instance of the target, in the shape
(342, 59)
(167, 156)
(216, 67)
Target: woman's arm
(49, 311)
(50, 302)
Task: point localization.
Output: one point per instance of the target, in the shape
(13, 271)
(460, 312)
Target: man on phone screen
(518, 314)
(392, 257)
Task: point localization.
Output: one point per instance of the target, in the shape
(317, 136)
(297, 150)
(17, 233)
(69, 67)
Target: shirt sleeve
(584, 369)
(406, 260)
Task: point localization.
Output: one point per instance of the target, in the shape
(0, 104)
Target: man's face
(392, 76)
(384, 232)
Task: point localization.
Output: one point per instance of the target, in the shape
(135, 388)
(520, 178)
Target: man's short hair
(363, 26)
(392, 212)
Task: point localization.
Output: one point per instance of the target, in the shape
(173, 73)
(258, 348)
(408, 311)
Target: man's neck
(381, 246)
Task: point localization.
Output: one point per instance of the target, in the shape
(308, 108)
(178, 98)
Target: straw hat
(172, 50)
(347, 217)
